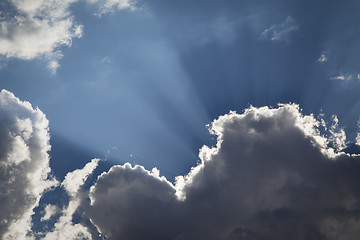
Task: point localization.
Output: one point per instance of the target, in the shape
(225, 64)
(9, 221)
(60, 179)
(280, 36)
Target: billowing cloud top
(271, 175)
(33, 28)
(24, 164)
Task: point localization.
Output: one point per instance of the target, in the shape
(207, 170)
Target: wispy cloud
(280, 32)
(322, 58)
(344, 77)
(106, 6)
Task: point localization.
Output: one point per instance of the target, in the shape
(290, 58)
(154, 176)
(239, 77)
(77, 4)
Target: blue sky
(139, 81)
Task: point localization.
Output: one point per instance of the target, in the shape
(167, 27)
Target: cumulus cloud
(271, 175)
(154, 198)
(37, 28)
(280, 32)
(24, 164)
(65, 228)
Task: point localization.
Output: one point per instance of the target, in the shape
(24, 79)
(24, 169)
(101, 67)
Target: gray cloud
(146, 202)
(24, 164)
(271, 175)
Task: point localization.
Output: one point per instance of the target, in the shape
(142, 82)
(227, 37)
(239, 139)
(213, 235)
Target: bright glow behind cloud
(270, 171)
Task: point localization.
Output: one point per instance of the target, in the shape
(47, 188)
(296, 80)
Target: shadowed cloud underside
(271, 175)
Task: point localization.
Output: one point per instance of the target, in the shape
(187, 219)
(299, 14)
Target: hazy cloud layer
(24, 164)
(271, 176)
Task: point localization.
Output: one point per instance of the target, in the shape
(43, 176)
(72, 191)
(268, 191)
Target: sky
(168, 119)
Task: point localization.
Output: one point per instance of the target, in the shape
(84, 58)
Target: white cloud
(340, 77)
(74, 180)
(271, 175)
(322, 58)
(106, 6)
(64, 228)
(24, 164)
(338, 136)
(49, 211)
(357, 139)
(38, 28)
(280, 32)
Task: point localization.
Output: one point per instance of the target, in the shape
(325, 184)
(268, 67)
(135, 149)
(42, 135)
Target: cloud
(337, 137)
(271, 175)
(37, 28)
(344, 77)
(106, 6)
(322, 58)
(64, 227)
(280, 32)
(357, 139)
(49, 211)
(24, 164)
(74, 180)
(154, 202)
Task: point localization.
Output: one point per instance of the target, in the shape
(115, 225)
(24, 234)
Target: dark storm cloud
(271, 176)
(24, 164)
